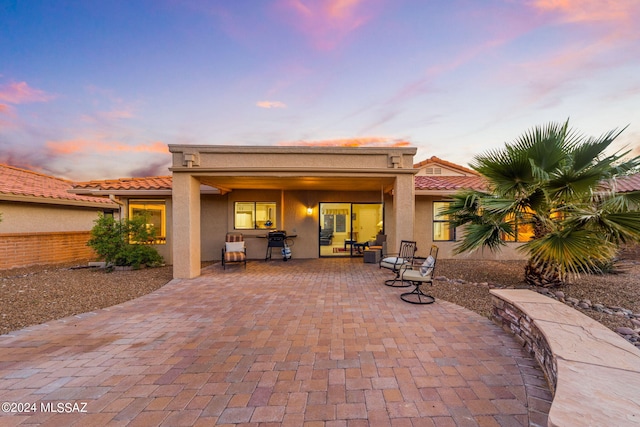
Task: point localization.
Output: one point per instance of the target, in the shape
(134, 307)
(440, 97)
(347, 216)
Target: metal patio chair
(419, 273)
(395, 262)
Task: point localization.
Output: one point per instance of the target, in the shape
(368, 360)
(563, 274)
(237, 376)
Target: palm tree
(560, 187)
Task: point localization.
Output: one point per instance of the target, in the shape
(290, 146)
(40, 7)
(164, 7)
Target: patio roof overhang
(231, 168)
(287, 180)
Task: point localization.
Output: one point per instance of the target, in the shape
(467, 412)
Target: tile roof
(450, 183)
(21, 182)
(628, 183)
(455, 166)
(147, 183)
(476, 182)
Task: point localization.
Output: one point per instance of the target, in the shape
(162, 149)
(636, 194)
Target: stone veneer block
(597, 346)
(597, 372)
(589, 395)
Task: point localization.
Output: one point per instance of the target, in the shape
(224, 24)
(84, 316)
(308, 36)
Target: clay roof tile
(23, 182)
(450, 183)
(146, 183)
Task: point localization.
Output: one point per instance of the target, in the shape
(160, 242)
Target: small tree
(125, 242)
(560, 184)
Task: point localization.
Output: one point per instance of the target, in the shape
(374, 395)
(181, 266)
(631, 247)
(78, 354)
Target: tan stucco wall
(214, 223)
(217, 219)
(35, 218)
(186, 233)
(250, 157)
(424, 236)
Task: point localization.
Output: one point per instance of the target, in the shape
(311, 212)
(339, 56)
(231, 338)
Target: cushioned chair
(234, 250)
(419, 273)
(395, 262)
(326, 236)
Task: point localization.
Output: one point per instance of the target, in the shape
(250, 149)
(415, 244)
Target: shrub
(124, 242)
(137, 255)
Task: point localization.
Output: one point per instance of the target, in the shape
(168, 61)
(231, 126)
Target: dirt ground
(34, 295)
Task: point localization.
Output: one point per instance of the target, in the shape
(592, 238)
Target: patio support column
(403, 209)
(186, 226)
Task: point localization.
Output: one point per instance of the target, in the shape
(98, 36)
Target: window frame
(517, 223)
(161, 238)
(435, 220)
(254, 215)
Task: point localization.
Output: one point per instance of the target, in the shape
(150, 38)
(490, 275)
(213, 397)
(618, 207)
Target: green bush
(124, 242)
(138, 255)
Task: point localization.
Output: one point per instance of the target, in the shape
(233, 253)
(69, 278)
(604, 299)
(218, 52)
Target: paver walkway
(303, 342)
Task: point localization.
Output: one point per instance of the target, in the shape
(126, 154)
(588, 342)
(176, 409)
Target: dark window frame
(452, 229)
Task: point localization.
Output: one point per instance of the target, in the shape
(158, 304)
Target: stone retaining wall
(593, 373)
(25, 249)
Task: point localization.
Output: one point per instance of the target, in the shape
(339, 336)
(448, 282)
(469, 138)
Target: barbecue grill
(278, 239)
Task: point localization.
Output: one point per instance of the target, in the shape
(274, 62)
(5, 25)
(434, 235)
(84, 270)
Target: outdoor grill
(277, 239)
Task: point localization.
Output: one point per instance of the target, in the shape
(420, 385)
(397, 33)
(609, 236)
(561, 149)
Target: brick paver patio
(303, 342)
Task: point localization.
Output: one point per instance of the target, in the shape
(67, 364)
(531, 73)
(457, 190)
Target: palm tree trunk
(543, 275)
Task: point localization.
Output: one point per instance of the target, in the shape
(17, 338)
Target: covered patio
(295, 182)
(317, 342)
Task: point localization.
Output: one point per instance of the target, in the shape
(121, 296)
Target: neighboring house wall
(36, 217)
(34, 234)
(42, 223)
(26, 249)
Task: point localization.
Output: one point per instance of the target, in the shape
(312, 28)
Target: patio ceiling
(316, 183)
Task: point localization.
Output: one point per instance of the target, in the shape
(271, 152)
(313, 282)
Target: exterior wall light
(309, 211)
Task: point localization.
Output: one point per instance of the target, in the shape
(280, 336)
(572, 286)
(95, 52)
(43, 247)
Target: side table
(372, 256)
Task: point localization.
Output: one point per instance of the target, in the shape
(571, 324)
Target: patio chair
(396, 261)
(234, 250)
(419, 273)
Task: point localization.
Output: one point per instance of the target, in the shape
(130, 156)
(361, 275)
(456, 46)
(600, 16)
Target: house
(330, 198)
(41, 222)
(151, 195)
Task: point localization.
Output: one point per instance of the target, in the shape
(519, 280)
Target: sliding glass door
(346, 228)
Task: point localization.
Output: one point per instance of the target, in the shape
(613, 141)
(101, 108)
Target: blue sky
(97, 89)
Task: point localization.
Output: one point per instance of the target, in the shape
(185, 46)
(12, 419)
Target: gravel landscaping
(34, 295)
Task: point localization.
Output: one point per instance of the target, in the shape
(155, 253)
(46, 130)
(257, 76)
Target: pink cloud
(365, 141)
(326, 23)
(588, 10)
(271, 104)
(5, 109)
(21, 93)
(117, 114)
(86, 146)
(108, 116)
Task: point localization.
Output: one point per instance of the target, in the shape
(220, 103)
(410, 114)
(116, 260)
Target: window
(154, 211)
(442, 228)
(255, 215)
(522, 232)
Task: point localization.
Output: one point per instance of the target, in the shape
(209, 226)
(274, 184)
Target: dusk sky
(97, 89)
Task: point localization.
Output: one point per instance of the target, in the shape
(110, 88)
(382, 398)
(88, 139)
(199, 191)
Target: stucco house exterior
(42, 222)
(327, 197)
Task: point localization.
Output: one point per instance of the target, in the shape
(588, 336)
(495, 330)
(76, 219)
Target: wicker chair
(234, 250)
